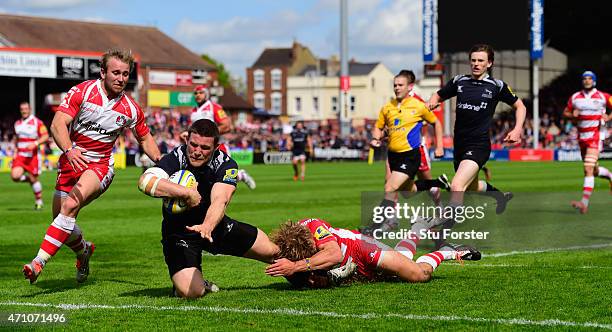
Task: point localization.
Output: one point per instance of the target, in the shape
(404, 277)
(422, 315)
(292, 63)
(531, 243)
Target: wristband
(308, 266)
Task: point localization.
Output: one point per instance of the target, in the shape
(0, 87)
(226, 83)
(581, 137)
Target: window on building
(315, 104)
(334, 104)
(277, 99)
(258, 79)
(259, 100)
(298, 104)
(277, 76)
(352, 105)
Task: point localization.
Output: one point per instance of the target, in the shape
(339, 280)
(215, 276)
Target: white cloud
(48, 4)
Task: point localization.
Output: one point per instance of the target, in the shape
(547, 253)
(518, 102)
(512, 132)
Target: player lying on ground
(311, 245)
(204, 226)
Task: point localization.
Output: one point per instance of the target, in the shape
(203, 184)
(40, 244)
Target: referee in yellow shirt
(403, 119)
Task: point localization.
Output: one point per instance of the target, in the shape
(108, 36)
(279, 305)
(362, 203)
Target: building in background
(313, 93)
(267, 77)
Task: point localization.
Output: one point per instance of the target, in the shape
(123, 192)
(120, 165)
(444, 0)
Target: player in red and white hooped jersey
(30, 133)
(207, 109)
(88, 122)
(588, 108)
(313, 244)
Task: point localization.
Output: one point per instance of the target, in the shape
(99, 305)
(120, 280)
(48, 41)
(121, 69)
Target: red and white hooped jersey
(209, 110)
(356, 247)
(28, 130)
(592, 107)
(98, 121)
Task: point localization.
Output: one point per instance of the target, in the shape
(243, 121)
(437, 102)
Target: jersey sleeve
(380, 123)
(450, 89)
(507, 95)
(427, 114)
(320, 231)
(608, 100)
(171, 162)
(570, 103)
(139, 127)
(227, 173)
(219, 113)
(42, 129)
(71, 104)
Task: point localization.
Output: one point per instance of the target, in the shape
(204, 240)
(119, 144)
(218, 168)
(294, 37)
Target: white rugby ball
(186, 179)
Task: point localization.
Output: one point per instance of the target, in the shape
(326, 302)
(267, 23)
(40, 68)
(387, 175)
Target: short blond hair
(123, 55)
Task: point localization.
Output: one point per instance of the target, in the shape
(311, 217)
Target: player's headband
(201, 87)
(590, 74)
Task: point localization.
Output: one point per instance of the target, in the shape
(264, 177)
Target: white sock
(604, 173)
(435, 258)
(587, 190)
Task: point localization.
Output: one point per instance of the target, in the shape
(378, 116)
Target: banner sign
(429, 13)
(537, 29)
(531, 155)
(24, 64)
(242, 157)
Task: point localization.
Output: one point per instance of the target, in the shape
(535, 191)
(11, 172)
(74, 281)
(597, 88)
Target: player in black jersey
(300, 141)
(204, 226)
(477, 96)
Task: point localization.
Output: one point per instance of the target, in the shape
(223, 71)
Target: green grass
(501, 293)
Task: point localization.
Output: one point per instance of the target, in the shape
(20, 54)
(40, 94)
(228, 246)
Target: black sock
(386, 202)
(490, 187)
(424, 185)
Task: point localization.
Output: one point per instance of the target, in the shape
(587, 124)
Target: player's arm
(61, 135)
(150, 147)
(154, 182)
(329, 255)
(446, 92)
(290, 143)
(43, 136)
(514, 136)
(434, 101)
(377, 131)
(309, 145)
(225, 125)
(430, 117)
(220, 196)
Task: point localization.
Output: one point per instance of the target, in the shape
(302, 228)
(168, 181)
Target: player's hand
(193, 198)
(514, 136)
(281, 268)
(204, 230)
(432, 106)
(439, 152)
(576, 113)
(375, 143)
(32, 146)
(76, 159)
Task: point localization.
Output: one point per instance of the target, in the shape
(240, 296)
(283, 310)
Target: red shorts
(31, 165)
(367, 253)
(68, 177)
(594, 143)
(425, 163)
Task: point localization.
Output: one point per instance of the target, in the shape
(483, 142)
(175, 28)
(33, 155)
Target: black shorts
(478, 154)
(230, 237)
(406, 162)
(298, 153)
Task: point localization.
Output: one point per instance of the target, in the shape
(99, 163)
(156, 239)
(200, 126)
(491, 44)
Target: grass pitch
(129, 287)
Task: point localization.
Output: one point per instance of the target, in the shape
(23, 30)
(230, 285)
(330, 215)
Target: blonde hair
(123, 55)
(294, 241)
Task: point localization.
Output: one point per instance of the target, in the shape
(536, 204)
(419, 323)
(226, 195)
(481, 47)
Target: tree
(223, 76)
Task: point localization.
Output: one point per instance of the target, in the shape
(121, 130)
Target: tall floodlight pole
(345, 85)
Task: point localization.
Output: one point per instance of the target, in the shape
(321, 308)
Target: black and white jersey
(220, 169)
(299, 138)
(476, 102)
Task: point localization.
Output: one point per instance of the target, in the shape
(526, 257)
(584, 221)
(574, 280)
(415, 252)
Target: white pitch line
(521, 265)
(537, 251)
(299, 312)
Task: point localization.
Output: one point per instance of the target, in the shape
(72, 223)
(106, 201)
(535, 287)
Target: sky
(235, 32)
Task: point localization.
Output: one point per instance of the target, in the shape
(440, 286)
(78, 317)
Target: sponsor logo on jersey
(397, 122)
(231, 175)
(321, 233)
(466, 106)
(488, 94)
(459, 88)
(511, 92)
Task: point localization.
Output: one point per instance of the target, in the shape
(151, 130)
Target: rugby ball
(183, 178)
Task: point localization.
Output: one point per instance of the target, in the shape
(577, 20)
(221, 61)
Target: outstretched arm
(329, 255)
